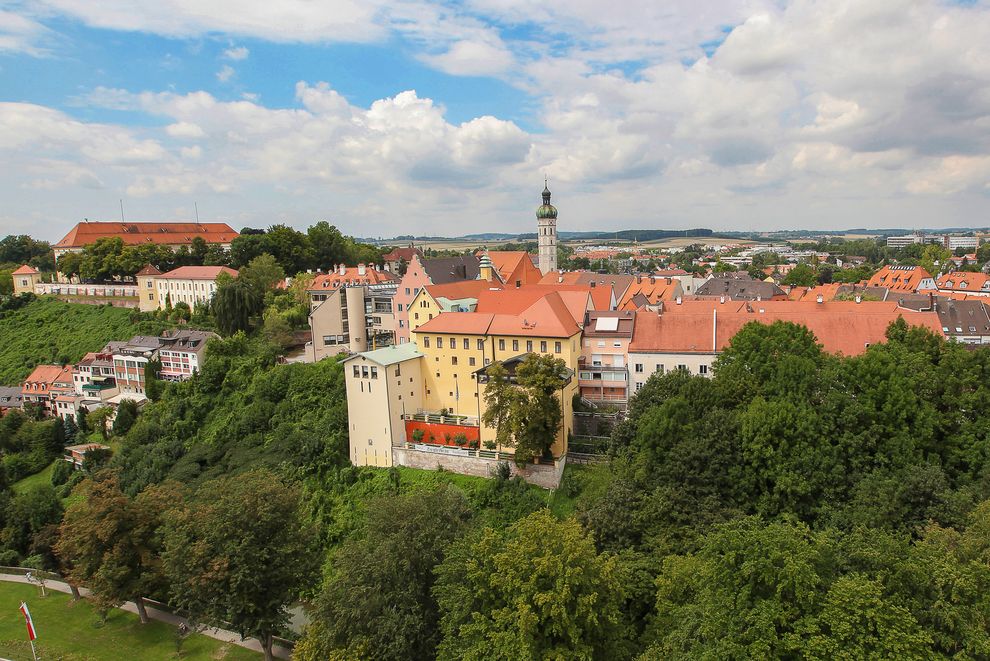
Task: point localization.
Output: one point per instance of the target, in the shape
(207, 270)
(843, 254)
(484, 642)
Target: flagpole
(33, 652)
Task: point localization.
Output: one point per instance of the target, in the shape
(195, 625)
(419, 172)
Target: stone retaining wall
(542, 475)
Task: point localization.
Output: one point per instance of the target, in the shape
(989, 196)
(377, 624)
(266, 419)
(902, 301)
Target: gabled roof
(26, 270)
(740, 289)
(350, 276)
(397, 353)
(840, 326)
(650, 290)
(964, 281)
(515, 265)
(198, 273)
(461, 289)
(148, 270)
(899, 278)
(970, 317)
(451, 269)
(169, 234)
(615, 323)
(405, 253)
(619, 282)
(547, 316)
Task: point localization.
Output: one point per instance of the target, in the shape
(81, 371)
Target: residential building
(76, 454)
(422, 272)
(603, 374)
(964, 282)
(182, 353)
(451, 297)
(546, 221)
(740, 288)
(514, 267)
(690, 336)
(349, 315)
(172, 235)
(147, 290)
(25, 279)
(10, 398)
(607, 289)
(649, 291)
(394, 259)
(95, 372)
(129, 362)
(192, 285)
(902, 279)
(382, 387)
(45, 383)
(964, 321)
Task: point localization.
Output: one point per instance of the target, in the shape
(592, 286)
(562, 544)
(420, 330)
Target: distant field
(673, 242)
(72, 631)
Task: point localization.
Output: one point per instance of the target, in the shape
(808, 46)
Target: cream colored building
(187, 284)
(147, 288)
(25, 278)
(382, 386)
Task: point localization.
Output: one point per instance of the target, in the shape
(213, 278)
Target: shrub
(61, 473)
(490, 445)
(417, 435)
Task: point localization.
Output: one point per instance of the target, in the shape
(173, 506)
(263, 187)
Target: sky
(391, 117)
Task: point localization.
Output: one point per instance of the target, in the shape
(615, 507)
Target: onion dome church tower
(546, 220)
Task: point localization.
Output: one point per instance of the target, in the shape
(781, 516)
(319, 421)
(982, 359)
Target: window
(364, 371)
(638, 386)
(400, 307)
(660, 369)
(501, 345)
(703, 369)
(481, 345)
(467, 343)
(453, 343)
(617, 345)
(402, 324)
(439, 343)
(639, 367)
(601, 343)
(357, 371)
(453, 360)
(417, 315)
(374, 372)
(543, 346)
(556, 347)
(515, 345)
(151, 297)
(426, 343)
(471, 361)
(397, 372)
(407, 291)
(682, 367)
(529, 346)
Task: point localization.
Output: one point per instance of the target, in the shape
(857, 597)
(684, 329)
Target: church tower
(546, 221)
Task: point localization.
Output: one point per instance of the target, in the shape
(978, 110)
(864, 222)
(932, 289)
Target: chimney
(759, 298)
(931, 300)
(859, 299)
(819, 299)
(678, 300)
(639, 279)
(362, 269)
(721, 299)
(343, 269)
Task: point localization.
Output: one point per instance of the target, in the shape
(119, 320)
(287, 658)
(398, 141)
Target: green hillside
(50, 331)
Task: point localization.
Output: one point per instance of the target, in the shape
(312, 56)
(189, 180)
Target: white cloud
(226, 73)
(236, 53)
(21, 33)
(184, 130)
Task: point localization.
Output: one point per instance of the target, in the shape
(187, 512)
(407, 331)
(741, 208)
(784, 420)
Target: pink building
(603, 374)
(422, 272)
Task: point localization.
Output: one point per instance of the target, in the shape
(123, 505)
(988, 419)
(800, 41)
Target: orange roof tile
(461, 289)
(198, 273)
(964, 281)
(25, 270)
(371, 276)
(513, 265)
(461, 323)
(840, 326)
(168, 234)
(548, 316)
(654, 290)
(899, 278)
(149, 270)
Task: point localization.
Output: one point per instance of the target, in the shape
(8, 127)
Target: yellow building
(188, 284)
(457, 346)
(147, 288)
(25, 278)
(382, 386)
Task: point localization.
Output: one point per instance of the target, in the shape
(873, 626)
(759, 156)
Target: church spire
(546, 191)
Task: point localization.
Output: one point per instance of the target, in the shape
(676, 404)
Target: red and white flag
(27, 619)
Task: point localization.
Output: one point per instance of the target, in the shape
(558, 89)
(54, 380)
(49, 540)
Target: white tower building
(546, 220)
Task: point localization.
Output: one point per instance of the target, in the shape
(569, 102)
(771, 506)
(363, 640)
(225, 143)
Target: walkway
(222, 635)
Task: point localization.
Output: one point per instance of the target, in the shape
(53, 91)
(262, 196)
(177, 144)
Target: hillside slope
(50, 331)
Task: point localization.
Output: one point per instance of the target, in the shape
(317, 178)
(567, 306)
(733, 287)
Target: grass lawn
(42, 477)
(73, 632)
(581, 484)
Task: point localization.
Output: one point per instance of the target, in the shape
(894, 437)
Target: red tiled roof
(662, 289)
(513, 265)
(899, 278)
(840, 326)
(149, 270)
(371, 276)
(461, 289)
(168, 234)
(198, 273)
(964, 281)
(25, 270)
(402, 253)
(548, 316)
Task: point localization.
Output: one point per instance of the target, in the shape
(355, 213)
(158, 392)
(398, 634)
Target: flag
(27, 619)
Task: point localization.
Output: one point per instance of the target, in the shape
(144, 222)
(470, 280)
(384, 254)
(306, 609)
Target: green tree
(112, 542)
(276, 329)
(153, 385)
(262, 273)
(127, 413)
(536, 590)
(802, 275)
(385, 609)
(240, 553)
(235, 303)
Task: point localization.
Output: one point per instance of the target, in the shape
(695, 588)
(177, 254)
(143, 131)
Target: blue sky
(443, 118)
